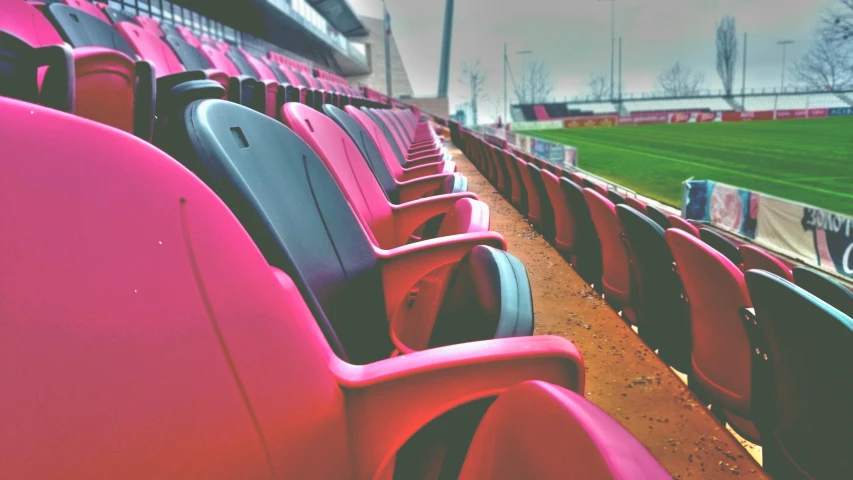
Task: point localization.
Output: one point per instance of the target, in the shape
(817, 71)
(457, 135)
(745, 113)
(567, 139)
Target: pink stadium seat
(716, 294)
(151, 25)
(220, 61)
(534, 418)
(100, 74)
(391, 226)
(540, 112)
(402, 175)
(563, 220)
(173, 350)
(534, 203)
(682, 224)
(516, 185)
(616, 277)
(577, 178)
(89, 8)
(756, 258)
(636, 204)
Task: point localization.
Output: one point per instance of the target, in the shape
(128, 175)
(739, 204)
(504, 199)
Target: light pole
(612, 41)
(524, 73)
(784, 44)
(506, 107)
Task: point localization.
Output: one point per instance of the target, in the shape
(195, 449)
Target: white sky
(573, 38)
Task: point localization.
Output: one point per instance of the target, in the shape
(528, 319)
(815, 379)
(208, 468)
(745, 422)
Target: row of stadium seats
(768, 347)
(793, 102)
(245, 293)
(140, 65)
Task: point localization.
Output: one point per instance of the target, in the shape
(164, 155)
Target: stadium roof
(340, 15)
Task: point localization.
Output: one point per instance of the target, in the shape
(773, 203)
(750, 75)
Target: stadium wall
(597, 121)
(811, 235)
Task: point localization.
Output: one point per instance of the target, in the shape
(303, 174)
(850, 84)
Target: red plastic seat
(220, 61)
(400, 174)
(684, 225)
(756, 258)
(616, 274)
(577, 178)
(717, 295)
(105, 80)
(151, 25)
(636, 204)
(564, 221)
(390, 225)
(89, 8)
(516, 184)
(168, 345)
(524, 434)
(404, 157)
(534, 203)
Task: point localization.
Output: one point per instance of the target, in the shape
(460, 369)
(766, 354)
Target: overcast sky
(573, 38)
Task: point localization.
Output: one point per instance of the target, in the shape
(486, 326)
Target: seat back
(587, 244)
(151, 48)
(359, 133)
(564, 221)
(219, 60)
(519, 197)
(663, 317)
(720, 243)
(115, 15)
(390, 137)
(387, 155)
(658, 216)
(169, 347)
(615, 197)
(616, 275)
(546, 212)
(825, 289)
(534, 204)
(519, 433)
(189, 56)
(514, 183)
(716, 293)
(84, 30)
(188, 36)
(249, 65)
(677, 222)
(636, 204)
(809, 361)
(351, 171)
(756, 258)
(89, 8)
(295, 212)
(24, 21)
(151, 25)
(577, 178)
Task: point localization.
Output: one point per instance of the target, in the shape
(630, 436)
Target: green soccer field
(810, 161)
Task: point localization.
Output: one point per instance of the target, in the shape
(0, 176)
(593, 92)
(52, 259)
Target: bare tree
(536, 85)
(681, 81)
(599, 86)
(837, 24)
(474, 77)
(827, 65)
(727, 51)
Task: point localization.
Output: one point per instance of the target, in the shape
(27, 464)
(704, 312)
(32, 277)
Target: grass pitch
(810, 161)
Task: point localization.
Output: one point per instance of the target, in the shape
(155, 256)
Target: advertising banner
(815, 236)
(587, 122)
(787, 114)
(555, 153)
(747, 116)
(840, 112)
(680, 117)
(546, 125)
(644, 118)
(818, 113)
(705, 117)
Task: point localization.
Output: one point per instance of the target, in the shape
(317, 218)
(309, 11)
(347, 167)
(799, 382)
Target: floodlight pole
(620, 72)
(506, 107)
(612, 42)
(743, 85)
(784, 44)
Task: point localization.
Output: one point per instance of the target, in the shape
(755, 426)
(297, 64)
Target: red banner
(747, 116)
(585, 122)
(787, 114)
(818, 112)
(680, 117)
(644, 118)
(706, 117)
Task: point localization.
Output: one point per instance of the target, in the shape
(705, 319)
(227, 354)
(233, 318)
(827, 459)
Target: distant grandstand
(655, 102)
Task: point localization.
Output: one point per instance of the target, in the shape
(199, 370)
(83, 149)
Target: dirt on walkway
(624, 377)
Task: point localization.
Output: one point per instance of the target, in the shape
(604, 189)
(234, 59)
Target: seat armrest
(409, 216)
(145, 98)
(403, 267)
(392, 399)
(58, 89)
(423, 171)
(411, 190)
(416, 162)
(166, 82)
